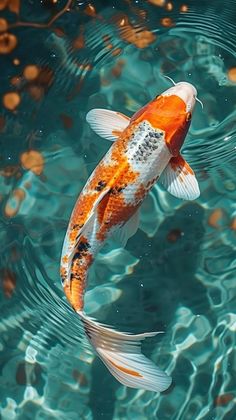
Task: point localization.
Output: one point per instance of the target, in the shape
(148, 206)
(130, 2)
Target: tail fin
(121, 353)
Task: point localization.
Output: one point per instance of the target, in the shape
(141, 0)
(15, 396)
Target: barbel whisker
(200, 102)
(172, 81)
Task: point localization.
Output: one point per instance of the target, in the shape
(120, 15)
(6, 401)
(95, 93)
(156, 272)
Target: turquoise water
(177, 273)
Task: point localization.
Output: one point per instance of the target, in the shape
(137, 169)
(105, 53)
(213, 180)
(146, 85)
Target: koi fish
(145, 149)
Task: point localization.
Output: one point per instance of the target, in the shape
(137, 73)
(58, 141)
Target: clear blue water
(178, 273)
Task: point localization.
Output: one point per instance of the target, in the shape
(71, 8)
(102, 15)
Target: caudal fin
(121, 353)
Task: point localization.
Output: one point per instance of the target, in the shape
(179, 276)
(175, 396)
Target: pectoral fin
(107, 124)
(179, 179)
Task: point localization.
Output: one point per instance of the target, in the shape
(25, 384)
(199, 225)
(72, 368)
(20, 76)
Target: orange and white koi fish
(146, 148)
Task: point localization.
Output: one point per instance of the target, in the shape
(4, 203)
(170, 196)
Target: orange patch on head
(125, 370)
(167, 113)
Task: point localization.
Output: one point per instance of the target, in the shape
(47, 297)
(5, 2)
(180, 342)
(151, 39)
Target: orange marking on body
(140, 193)
(73, 235)
(116, 133)
(167, 113)
(112, 209)
(65, 259)
(74, 291)
(115, 176)
(177, 162)
(125, 370)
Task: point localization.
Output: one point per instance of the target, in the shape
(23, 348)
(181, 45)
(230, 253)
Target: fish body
(145, 149)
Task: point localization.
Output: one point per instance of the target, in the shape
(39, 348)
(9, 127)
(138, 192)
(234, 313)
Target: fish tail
(121, 353)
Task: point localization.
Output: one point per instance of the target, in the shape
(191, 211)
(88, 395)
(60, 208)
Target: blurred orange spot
(67, 121)
(169, 6)
(3, 25)
(142, 13)
(78, 42)
(79, 377)
(16, 61)
(31, 72)
(3, 4)
(9, 171)
(33, 160)
(167, 22)
(45, 77)
(106, 38)
(14, 202)
(7, 43)
(183, 8)
(11, 100)
(174, 235)
(90, 10)
(117, 69)
(232, 74)
(140, 37)
(59, 32)
(16, 81)
(36, 92)
(116, 51)
(14, 6)
(85, 67)
(223, 399)
(8, 282)
(233, 224)
(157, 2)
(215, 217)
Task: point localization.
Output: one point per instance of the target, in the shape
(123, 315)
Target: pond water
(58, 60)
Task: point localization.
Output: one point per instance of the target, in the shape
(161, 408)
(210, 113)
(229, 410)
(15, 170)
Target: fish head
(171, 112)
(186, 92)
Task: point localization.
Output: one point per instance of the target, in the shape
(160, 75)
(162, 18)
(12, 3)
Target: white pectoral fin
(122, 234)
(107, 124)
(179, 179)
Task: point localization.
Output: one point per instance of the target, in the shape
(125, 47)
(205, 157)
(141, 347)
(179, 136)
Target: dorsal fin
(107, 124)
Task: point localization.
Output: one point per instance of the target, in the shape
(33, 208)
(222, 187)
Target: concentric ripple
(177, 274)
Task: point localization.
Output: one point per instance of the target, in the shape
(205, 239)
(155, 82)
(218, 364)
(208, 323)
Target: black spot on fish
(100, 186)
(117, 189)
(144, 142)
(81, 250)
(83, 246)
(77, 226)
